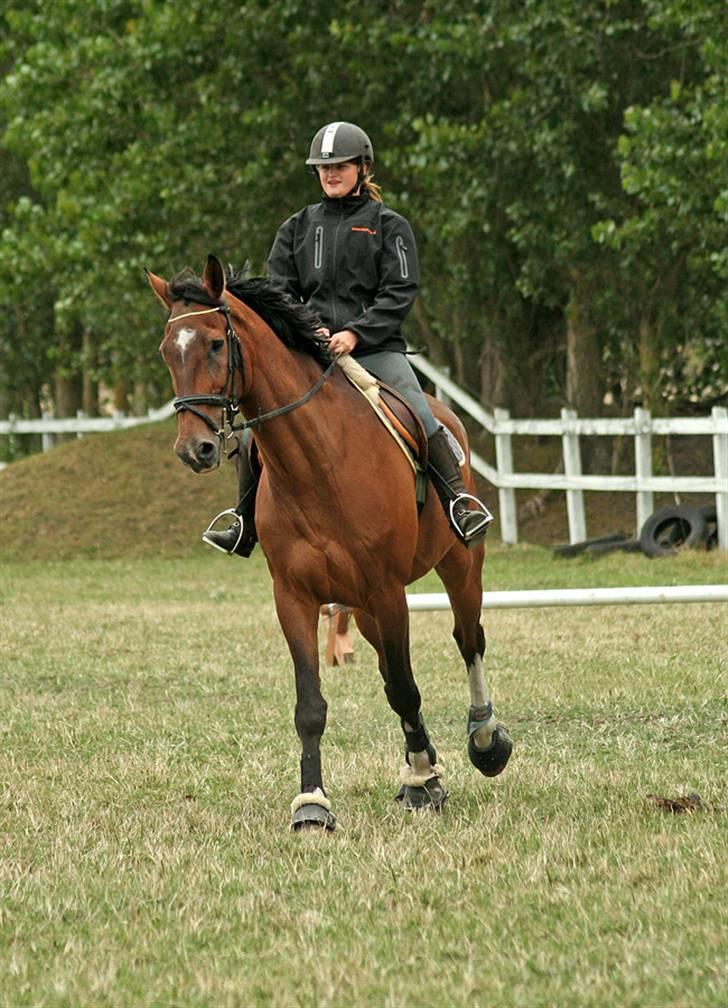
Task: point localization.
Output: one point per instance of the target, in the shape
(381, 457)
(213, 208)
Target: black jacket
(354, 262)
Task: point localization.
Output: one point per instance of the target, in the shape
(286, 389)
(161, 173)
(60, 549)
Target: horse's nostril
(206, 451)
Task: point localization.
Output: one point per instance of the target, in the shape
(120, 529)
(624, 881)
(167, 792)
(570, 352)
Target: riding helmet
(339, 142)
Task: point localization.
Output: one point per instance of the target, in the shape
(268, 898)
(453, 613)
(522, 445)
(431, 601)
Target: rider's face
(338, 179)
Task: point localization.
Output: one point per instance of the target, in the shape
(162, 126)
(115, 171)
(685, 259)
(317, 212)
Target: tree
(671, 243)
(538, 150)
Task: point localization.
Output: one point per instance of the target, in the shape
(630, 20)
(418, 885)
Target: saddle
(393, 410)
(405, 421)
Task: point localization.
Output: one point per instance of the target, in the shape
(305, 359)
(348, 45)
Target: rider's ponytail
(370, 186)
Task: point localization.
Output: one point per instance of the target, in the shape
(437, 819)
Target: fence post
(720, 467)
(572, 467)
(507, 513)
(80, 415)
(643, 463)
(47, 440)
(12, 442)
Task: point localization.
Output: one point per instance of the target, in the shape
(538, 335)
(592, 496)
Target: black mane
(293, 323)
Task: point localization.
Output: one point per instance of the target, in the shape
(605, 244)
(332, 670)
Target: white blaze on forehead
(183, 339)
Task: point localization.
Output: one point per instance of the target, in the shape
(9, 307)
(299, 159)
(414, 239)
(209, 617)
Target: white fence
(48, 427)
(550, 597)
(569, 427)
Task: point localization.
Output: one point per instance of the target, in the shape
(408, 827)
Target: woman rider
(354, 262)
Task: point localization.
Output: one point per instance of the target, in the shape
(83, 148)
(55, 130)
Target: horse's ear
(214, 277)
(160, 288)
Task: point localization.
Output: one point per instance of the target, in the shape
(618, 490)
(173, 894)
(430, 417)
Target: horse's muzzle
(200, 454)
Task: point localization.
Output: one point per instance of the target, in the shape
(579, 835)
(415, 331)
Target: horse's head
(199, 348)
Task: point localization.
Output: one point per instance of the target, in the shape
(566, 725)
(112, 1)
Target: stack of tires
(665, 532)
(679, 527)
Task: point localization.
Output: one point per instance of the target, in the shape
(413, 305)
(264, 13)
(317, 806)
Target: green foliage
(546, 154)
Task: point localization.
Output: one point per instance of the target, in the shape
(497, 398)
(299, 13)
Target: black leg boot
(469, 523)
(240, 538)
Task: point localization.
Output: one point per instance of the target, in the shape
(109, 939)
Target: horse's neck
(276, 376)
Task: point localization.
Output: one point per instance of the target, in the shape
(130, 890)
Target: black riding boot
(240, 537)
(469, 525)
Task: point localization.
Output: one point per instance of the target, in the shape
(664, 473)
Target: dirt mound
(127, 494)
(119, 494)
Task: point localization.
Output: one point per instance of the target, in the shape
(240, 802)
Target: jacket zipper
(318, 247)
(402, 253)
(334, 326)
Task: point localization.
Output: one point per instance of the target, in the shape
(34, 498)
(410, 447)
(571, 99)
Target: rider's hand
(343, 342)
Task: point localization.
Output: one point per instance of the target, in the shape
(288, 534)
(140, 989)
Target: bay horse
(336, 511)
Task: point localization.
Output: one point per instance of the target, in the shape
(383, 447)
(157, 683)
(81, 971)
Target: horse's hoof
(430, 795)
(313, 817)
(492, 761)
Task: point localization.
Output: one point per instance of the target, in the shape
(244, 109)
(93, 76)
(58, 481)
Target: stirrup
(210, 542)
(481, 510)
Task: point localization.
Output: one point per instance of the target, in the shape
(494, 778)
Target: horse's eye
(216, 346)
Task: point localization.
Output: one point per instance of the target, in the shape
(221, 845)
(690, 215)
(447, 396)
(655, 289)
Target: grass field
(148, 759)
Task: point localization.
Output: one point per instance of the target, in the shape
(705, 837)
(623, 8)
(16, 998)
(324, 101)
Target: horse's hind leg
(489, 744)
(299, 622)
(388, 633)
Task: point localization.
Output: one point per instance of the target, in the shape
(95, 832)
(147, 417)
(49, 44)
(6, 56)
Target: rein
(228, 401)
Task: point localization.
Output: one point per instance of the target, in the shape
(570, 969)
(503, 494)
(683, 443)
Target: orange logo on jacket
(365, 229)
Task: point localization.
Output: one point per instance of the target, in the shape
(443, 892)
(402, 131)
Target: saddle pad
(371, 389)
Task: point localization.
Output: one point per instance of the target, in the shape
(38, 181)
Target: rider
(354, 261)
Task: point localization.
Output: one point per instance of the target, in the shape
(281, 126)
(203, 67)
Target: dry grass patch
(148, 758)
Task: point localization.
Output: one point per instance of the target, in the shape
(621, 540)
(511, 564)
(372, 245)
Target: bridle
(226, 399)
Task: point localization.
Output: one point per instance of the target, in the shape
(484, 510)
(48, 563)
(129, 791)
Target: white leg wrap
(316, 797)
(419, 770)
(479, 695)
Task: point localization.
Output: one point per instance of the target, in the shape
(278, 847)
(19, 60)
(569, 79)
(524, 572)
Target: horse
(336, 511)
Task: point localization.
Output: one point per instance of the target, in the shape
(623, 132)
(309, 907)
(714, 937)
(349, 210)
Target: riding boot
(240, 537)
(470, 525)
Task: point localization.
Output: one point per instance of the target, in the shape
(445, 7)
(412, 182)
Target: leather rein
(226, 399)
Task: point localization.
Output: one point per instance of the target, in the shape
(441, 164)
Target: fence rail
(642, 427)
(570, 428)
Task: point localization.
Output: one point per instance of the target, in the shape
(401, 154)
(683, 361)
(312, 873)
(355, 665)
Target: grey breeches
(394, 369)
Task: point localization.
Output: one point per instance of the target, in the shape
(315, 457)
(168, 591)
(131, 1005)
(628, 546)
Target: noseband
(226, 398)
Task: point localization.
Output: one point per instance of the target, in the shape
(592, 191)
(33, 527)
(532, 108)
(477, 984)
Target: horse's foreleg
(388, 631)
(489, 744)
(299, 621)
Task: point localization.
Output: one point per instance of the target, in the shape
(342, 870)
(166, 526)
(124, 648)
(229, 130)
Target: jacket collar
(344, 204)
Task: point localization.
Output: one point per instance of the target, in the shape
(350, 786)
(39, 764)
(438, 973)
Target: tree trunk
(649, 358)
(121, 396)
(68, 380)
(427, 335)
(584, 378)
(583, 359)
(68, 394)
(90, 384)
(494, 373)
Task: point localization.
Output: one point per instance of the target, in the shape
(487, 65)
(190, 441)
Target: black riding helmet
(339, 142)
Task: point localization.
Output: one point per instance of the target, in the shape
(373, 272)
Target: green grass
(148, 758)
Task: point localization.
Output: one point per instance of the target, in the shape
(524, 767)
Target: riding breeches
(394, 369)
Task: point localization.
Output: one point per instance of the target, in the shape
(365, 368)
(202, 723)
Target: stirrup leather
(481, 510)
(238, 518)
